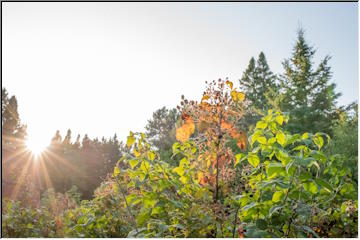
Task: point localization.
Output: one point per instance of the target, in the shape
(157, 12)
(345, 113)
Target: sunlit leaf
(205, 97)
(261, 125)
(278, 196)
(185, 131)
(310, 187)
(237, 96)
(279, 119)
(253, 159)
(151, 155)
(281, 138)
(116, 171)
(133, 163)
(130, 140)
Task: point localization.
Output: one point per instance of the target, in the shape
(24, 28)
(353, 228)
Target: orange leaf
(230, 84)
(205, 97)
(184, 132)
(226, 125)
(241, 140)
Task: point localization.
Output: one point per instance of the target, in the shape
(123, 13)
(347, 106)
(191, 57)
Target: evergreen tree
(67, 139)
(308, 96)
(259, 84)
(161, 130)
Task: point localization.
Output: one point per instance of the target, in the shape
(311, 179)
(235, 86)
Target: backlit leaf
(253, 159)
(279, 119)
(133, 163)
(281, 138)
(278, 196)
(116, 171)
(261, 125)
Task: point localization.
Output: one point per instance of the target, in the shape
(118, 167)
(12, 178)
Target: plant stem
(127, 206)
(235, 220)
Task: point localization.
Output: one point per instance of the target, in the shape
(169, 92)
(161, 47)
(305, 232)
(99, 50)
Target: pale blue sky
(103, 68)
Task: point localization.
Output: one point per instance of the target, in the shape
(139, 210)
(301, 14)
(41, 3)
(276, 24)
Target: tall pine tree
(259, 84)
(308, 96)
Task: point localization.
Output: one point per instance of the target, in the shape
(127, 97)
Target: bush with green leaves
(285, 186)
(103, 216)
(20, 221)
(294, 189)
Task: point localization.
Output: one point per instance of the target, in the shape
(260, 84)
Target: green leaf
(324, 184)
(253, 159)
(305, 176)
(274, 209)
(272, 140)
(274, 168)
(281, 138)
(116, 171)
(133, 163)
(305, 136)
(261, 125)
(319, 141)
(238, 158)
(278, 196)
(261, 224)
(279, 119)
(310, 187)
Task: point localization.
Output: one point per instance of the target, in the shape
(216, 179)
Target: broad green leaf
(274, 209)
(305, 136)
(319, 141)
(249, 206)
(133, 163)
(281, 138)
(238, 158)
(324, 184)
(274, 168)
(253, 159)
(272, 140)
(305, 176)
(278, 196)
(310, 187)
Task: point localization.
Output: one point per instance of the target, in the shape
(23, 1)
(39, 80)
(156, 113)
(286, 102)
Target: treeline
(66, 162)
(303, 91)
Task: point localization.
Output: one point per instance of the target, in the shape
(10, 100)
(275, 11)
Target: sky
(104, 68)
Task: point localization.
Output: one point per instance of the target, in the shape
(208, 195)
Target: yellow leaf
(205, 97)
(116, 171)
(130, 140)
(237, 96)
(151, 155)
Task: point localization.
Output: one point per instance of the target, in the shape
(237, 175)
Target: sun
(36, 146)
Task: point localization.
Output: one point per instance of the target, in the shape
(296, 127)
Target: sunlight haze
(104, 68)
